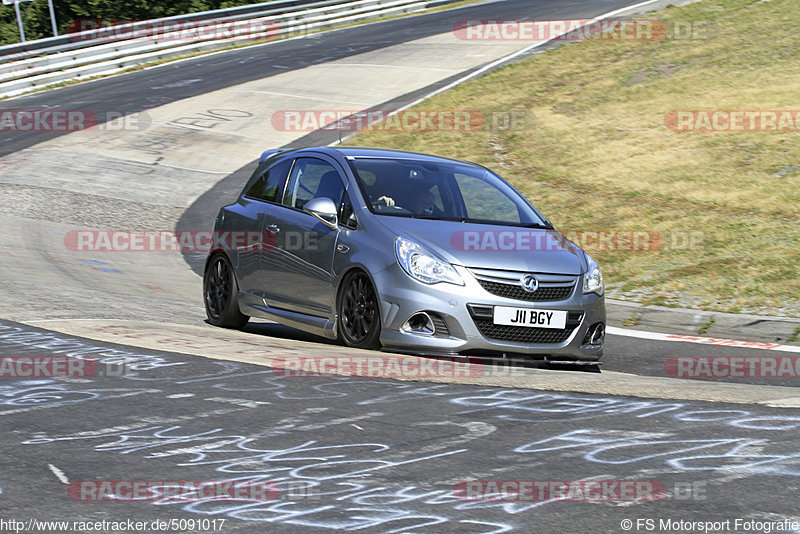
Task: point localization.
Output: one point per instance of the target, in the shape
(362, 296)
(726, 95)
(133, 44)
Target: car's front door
(298, 270)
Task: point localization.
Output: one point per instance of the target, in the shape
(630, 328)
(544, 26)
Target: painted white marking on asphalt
(181, 83)
(303, 97)
(180, 395)
(58, 473)
(170, 166)
(720, 342)
(247, 403)
(792, 402)
(395, 67)
(71, 319)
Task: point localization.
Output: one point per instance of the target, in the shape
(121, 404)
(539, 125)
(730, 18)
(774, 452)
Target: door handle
(342, 248)
(273, 228)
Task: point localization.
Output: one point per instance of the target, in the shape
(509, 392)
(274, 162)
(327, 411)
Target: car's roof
(354, 151)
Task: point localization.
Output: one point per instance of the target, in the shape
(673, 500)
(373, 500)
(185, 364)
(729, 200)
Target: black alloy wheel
(359, 314)
(221, 294)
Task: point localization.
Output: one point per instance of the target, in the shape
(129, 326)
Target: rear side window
(269, 185)
(313, 178)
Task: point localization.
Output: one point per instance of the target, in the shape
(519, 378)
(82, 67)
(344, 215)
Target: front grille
(522, 334)
(515, 291)
(526, 335)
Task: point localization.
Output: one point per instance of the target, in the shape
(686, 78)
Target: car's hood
(492, 247)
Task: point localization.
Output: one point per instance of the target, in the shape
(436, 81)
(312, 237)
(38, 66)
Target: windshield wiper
(543, 226)
(537, 225)
(439, 218)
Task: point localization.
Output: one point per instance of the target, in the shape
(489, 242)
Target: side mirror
(323, 209)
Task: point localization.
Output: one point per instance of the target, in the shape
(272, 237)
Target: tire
(359, 314)
(221, 294)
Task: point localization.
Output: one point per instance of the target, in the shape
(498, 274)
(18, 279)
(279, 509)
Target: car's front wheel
(359, 315)
(221, 294)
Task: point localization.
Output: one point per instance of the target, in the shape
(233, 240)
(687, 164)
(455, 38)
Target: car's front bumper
(466, 311)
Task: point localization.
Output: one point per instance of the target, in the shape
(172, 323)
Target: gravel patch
(84, 210)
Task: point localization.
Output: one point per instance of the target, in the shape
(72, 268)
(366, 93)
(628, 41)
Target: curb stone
(772, 329)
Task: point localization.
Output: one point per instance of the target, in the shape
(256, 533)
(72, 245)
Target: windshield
(441, 191)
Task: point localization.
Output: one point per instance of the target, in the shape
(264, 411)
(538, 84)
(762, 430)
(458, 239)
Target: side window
(312, 178)
(270, 184)
(485, 202)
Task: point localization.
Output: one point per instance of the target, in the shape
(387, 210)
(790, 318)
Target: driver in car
(422, 203)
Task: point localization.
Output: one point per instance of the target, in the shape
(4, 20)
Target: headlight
(592, 280)
(421, 265)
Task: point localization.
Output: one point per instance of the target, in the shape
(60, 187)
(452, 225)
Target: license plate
(531, 317)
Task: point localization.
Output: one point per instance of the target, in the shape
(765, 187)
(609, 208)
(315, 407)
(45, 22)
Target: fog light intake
(419, 323)
(595, 335)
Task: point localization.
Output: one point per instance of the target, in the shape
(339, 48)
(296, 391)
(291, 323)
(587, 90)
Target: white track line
(301, 97)
(58, 473)
(658, 336)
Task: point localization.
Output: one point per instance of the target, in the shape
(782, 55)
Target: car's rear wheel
(359, 315)
(221, 294)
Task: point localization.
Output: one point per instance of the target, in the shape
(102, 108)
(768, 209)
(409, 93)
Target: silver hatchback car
(406, 251)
